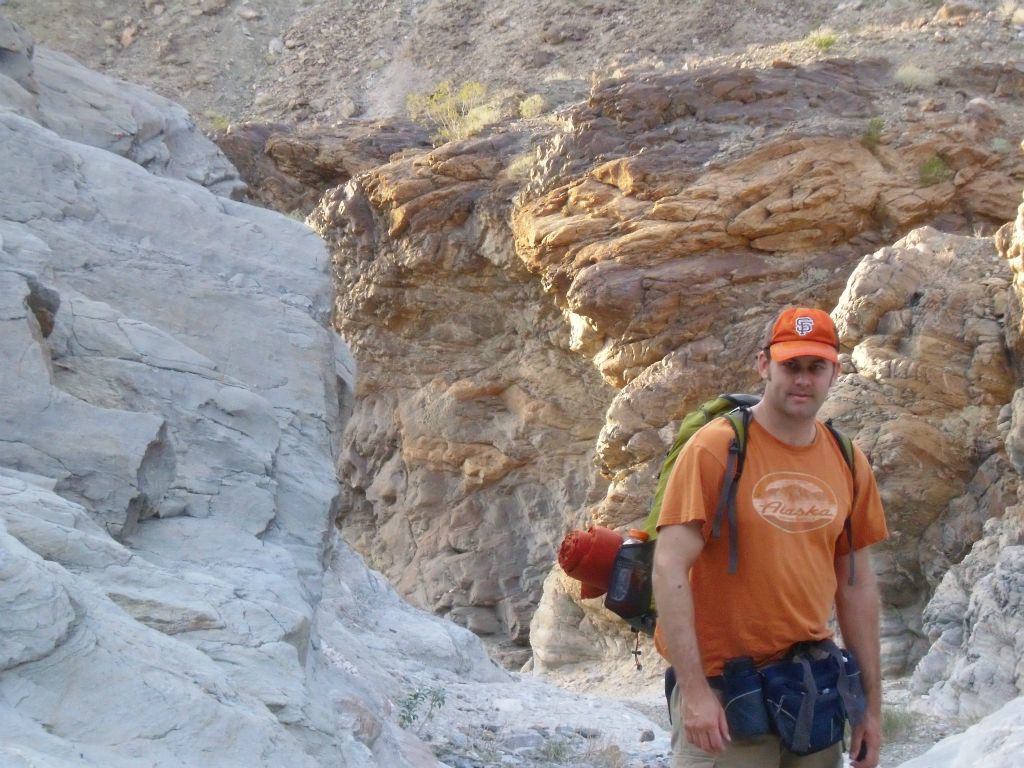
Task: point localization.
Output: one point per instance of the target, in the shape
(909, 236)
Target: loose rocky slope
(324, 62)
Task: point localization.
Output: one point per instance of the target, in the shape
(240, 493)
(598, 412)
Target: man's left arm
(857, 608)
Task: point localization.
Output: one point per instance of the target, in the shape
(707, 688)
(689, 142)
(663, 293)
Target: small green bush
(454, 112)
(872, 135)
(419, 706)
(555, 751)
(532, 106)
(933, 170)
(913, 78)
(218, 121)
(822, 39)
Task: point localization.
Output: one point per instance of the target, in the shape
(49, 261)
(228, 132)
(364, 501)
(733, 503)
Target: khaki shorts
(759, 752)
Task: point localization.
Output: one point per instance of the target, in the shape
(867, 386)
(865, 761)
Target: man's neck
(795, 432)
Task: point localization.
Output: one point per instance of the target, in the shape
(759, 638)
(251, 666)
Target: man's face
(797, 387)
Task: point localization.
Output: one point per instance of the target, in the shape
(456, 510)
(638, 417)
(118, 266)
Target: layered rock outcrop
(472, 438)
(665, 222)
(288, 169)
(972, 621)
(928, 374)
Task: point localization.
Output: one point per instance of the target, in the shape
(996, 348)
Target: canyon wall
(175, 592)
(646, 237)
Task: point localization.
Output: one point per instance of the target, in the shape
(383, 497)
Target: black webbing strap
(730, 485)
(805, 717)
(853, 708)
(846, 448)
(803, 654)
(728, 479)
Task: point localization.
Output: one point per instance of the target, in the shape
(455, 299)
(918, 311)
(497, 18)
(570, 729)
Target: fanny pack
(805, 699)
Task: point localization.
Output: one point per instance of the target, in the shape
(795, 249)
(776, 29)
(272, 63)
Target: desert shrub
(418, 707)
(521, 166)
(477, 119)
(218, 121)
(453, 112)
(898, 723)
(913, 78)
(555, 751)
(872, 135)
(532, 106)
(604, 755)
(933, 170)
(822, 39)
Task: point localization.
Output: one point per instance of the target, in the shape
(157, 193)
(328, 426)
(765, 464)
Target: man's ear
(762, 364)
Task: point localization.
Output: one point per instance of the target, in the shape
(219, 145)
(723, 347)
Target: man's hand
(701, 715)
(866, 742)
(703, 718)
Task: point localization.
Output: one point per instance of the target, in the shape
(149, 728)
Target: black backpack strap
(802, 654)
(846, 448)
(805, 716)
(730, 482)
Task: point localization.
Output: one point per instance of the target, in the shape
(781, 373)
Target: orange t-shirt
(791, 504)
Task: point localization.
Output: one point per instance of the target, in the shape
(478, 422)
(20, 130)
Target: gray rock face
(974, 663)
(120, 467)
(995, 742)
(172, 400)
(927, 366)
(81, 105)
(973, 621)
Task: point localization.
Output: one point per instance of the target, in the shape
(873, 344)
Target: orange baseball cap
(802, 331)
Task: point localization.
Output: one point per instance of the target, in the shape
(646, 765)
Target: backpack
(637, 557)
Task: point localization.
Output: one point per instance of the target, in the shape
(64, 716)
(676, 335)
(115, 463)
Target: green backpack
(735, 409)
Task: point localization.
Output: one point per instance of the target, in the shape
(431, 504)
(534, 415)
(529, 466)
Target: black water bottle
(629, 588)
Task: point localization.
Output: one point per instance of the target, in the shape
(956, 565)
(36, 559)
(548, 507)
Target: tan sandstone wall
(512, 325)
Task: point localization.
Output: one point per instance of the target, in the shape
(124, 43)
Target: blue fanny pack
(805, 699)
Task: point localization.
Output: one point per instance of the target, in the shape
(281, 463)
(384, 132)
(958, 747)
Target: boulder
(288, 168)
(995, 742)
(927, 373)
(129, 120)
(973, 620)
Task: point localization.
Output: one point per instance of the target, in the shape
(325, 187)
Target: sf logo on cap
(804, 325)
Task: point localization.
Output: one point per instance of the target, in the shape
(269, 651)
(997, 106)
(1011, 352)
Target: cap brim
(787, 350)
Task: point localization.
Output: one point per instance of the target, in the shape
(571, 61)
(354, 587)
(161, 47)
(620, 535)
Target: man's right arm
(703, 718)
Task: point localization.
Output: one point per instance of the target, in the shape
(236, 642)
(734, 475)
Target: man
(793, 566)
